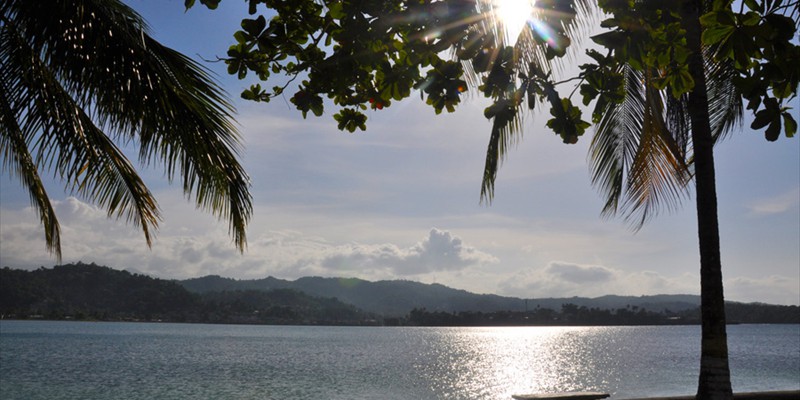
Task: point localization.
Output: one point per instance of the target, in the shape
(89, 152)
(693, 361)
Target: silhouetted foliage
(573, 315)
(92, 292)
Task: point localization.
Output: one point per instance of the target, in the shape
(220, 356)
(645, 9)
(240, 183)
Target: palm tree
(645, 152)
(714, 380)
(79, 79)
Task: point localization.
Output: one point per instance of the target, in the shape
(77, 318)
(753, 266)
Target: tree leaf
(716, 34)
(789, 124)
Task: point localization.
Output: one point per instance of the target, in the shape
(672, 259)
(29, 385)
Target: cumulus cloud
(579, 274)
(87, 234)
(82, 225)
(769, 289)
(440, 251)
(564, 279)
(202, 247)
(192, 244)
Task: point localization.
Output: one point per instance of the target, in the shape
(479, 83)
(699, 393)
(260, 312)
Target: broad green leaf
(773, 131)
(789, 124)
(254, 26)
(351, 120)
(211, 4)
(610, 40)
(336, 10)
(750, 19)
(716, 33)
(762, 119)
(240, 37)
(783, 26)
(682, 82)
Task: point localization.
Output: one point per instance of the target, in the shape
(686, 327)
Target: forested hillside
(397, 298)
(92, 292)
(389, 298)
(87, 291)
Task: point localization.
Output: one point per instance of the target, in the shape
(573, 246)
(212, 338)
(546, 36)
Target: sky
(401, 201)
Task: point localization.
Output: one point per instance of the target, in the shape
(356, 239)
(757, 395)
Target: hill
(397, 298)
(89, 291)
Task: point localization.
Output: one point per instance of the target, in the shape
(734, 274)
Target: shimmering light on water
(63, 360)
(499, 362)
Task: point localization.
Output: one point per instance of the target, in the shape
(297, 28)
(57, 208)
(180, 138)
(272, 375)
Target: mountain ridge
(397, 297)
(88, 291)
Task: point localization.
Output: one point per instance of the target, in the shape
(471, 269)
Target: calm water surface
(84, 360)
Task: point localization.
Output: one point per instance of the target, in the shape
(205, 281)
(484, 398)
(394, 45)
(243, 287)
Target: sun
(513, 14)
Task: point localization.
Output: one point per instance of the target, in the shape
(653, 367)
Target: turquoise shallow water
(84, 360)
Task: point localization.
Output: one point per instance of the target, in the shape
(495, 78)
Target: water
(84, 360)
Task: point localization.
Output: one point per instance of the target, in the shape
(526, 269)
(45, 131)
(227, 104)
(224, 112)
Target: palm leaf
(16, 158)
(637, 158)
(62, 137)
(126, 87)
(527, 52)
(505, 133)
(659, 175)
(724, 100)
(615, 141)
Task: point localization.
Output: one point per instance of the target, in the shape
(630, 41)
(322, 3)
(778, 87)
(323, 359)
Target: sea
(111, 360)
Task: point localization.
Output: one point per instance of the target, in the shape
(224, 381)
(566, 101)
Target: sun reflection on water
(499, 362)
(179, 361)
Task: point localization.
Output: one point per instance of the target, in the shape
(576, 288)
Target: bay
(102, 360)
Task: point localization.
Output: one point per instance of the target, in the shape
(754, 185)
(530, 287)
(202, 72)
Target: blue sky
(401, 201)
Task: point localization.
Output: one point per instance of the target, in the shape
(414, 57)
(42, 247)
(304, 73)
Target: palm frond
(615, 140)
(127, 84)
(506, 132)
(724, 99)
(575, 20)
(637, 160)
(658, 176)
(62, 137)
(18, 160)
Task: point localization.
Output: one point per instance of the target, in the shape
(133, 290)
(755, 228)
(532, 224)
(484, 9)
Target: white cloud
(440, 251)
(564, 279)
(579, 274)
(199, 245)
(776, 204)
(292, 242)
(774, 289)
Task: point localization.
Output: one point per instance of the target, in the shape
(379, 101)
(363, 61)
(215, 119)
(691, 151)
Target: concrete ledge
(777, 395)
(562, 396)
(774, 395)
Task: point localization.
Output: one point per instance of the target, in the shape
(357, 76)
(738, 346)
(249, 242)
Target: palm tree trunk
(715, 380)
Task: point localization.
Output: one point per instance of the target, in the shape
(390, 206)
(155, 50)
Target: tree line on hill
(394, 298)
(574, 315)
(91, 292)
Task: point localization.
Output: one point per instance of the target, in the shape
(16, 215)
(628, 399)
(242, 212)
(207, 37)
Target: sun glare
(513, 14)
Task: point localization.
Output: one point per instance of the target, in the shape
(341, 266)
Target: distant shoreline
(137, 321)
(92, 292)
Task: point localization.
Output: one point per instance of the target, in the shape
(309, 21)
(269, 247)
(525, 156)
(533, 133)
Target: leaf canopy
(361, 55)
